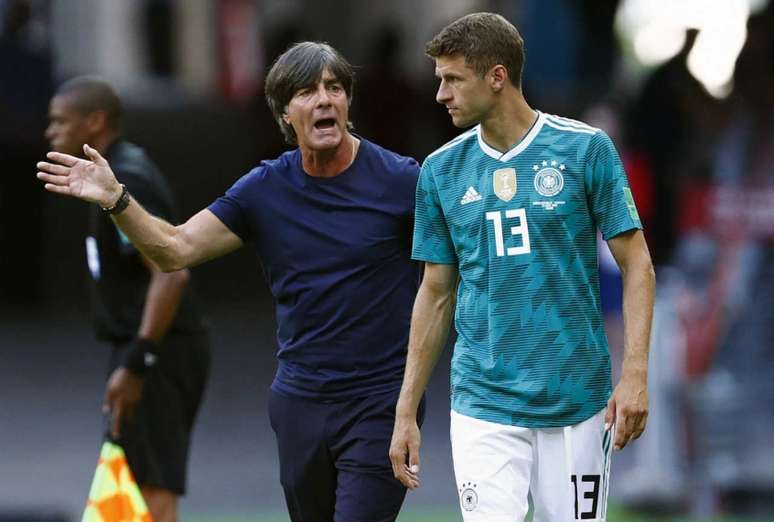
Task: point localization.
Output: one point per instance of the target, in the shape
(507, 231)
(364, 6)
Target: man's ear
(97, 121)
(498, 75)
(285, 118)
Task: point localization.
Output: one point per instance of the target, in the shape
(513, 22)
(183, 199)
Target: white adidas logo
(470, 196)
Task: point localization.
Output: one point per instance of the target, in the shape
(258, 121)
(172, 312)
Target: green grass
(407, 516)
(615, 514)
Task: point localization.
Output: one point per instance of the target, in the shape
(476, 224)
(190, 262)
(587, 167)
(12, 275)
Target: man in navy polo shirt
(331, 222)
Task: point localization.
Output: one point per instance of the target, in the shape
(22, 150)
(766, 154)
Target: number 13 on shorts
(498, 467)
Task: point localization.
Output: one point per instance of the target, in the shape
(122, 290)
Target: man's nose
(323, 97)
(443, 95)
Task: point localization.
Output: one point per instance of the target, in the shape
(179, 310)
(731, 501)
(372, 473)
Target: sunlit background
(654, 31)
(684, 87)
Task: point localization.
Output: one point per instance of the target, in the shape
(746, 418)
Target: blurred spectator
(388, 120)
(662, 124)
(268, 142)
(25, 87)
(159, 24)
(731, 331)
(713, 334)
(597, 40)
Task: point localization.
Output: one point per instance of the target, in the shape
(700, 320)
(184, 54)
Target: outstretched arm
(201, 238)
(627, 408)
(430, 322)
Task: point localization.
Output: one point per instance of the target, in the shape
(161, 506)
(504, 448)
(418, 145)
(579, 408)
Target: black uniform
(157, 437)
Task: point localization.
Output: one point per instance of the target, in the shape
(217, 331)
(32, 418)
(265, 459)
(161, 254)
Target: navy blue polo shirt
(336, 253)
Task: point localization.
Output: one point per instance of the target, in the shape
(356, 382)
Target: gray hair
(302, 66)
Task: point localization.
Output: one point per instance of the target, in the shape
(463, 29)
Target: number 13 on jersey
(519, 230)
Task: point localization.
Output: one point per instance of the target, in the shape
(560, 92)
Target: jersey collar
(523, 144)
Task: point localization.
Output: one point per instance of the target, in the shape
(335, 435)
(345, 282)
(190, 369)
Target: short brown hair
(485, 40)
(301, 66)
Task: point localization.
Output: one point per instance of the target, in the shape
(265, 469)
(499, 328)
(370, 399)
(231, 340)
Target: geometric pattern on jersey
(531, 348)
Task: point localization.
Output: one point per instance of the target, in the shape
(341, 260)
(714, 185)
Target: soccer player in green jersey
(506, 221)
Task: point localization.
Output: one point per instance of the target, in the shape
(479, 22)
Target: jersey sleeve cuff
(620, 230)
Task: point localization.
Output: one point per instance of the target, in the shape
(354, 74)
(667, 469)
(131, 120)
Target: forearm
(639, 284)
(162, 301)
(153, 237)
(430, 323)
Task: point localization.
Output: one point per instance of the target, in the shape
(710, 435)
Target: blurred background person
(160, 350)
(25, 87)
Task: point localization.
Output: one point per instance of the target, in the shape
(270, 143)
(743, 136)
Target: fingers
(410, 476)
(53, 168)
(621, 436)
(624, 424)
(413, 460)
(403, 468)
(52, 179)
(407, 477)
(110, 405)
(396, 453)
(610, 414)
(94, 155)
(64, 159)
(399, 468)
(107, 401)
(628, 426)
(57, 189)
(115, 421)
(640, 426)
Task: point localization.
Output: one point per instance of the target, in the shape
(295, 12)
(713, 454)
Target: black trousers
(334, 461)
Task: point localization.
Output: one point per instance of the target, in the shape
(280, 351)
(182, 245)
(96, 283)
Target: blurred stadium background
(685, 87)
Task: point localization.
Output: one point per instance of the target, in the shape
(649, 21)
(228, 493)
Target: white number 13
(520, 230)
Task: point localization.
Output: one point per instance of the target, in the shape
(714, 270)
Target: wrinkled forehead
(313, 78)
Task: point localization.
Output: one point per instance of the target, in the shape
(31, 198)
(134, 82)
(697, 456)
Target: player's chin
(460, 122)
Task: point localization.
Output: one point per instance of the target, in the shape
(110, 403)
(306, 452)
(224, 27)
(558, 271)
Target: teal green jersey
(521, 226)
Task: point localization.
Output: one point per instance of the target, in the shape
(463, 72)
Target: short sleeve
(432, 241)
(411, 176)
(609, 196)
(150, 197)
(231, 208)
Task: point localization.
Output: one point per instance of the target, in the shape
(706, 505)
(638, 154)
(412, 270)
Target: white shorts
(564, 470)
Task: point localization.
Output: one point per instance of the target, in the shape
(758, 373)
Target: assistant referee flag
(114, 495)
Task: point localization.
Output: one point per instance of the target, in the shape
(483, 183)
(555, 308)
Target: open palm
(90, 180)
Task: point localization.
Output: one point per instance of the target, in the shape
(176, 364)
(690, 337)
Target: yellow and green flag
(114, 495)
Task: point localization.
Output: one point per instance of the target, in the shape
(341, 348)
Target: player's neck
(508, 123)
(330, 163)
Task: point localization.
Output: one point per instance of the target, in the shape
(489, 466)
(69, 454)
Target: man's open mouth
(325, 124)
